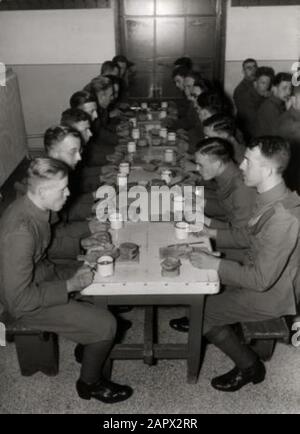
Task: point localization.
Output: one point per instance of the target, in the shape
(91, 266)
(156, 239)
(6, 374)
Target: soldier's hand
(182, 134)
(182, 145)
(96, 226)
(115, 113)
(207, 232)
(81, 279)
(203, 260)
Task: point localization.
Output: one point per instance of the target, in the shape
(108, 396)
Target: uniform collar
(277, 101)
(247, 83)
(37, 213)
(274, 194)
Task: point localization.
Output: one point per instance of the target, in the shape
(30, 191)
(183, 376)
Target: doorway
(154, 33)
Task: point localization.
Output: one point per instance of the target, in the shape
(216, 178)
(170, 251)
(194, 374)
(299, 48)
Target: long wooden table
(141, 283)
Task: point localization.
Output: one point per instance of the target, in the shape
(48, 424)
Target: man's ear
(54, 154)
(274, 90)
(41, 191)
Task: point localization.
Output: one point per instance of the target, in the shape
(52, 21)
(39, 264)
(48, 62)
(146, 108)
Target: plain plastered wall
(54, 53)
(271, 35)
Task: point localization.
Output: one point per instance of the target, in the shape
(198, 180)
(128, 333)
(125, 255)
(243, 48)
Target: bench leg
(37, 353)
(263, 348)
(149, 334)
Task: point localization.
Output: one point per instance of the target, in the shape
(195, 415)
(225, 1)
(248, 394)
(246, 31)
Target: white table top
(144, 277)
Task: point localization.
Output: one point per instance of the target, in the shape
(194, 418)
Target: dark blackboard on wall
(6, 5)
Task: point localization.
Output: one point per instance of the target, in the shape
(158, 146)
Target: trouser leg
(227, 341)
(94, 357)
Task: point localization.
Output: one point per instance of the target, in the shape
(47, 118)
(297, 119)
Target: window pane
(201, 7)
(201, 37)
(139, 7)
(169, 7)
(170, 36)
(140, 38)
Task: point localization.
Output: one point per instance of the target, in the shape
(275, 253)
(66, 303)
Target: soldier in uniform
(233, 197)
(33, 291)
(64, 144)
(263, 286)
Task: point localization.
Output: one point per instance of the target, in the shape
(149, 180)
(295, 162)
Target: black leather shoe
(180, 324)
(237, 378)
(105, 391)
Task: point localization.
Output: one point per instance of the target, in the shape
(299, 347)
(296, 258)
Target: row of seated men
(251, 214)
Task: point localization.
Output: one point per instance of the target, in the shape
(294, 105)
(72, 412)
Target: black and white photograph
(149, 210)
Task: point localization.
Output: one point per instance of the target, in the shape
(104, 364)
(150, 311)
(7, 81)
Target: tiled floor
(158, 389)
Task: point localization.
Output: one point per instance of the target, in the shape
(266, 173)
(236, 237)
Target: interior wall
(54, 53)
(271, 35)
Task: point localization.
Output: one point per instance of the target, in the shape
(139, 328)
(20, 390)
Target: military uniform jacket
(266, 280)
(247, 102)
(27, 279)
(289, 125)
(267, 116)
(234, 197)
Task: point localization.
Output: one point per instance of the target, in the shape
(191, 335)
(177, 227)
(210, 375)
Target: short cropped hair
(281, 76)
(45, 169)
(81, 97)
(100, 84)
(180, 71)
(184, 61)
(219, 149)
(122, 59)
(72, 116)
(195, 75)
(221, 122)
(273, 148)
(265, 70)
(55, 135)
(249, 60)
(108, 66)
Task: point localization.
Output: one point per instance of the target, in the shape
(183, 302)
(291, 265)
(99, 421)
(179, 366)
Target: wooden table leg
(195, 339)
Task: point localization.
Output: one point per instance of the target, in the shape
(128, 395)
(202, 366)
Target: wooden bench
(262, 335)
(37, 350)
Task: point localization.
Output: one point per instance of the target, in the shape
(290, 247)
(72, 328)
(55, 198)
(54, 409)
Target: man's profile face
(68, 151)
(283, 90)
(123, 68)
(262, 85)
(115, 71)
(105, 97)
(249, 70)
(91, 109)
(188, 86)
(54, 193)
(179, 82)
(251, 167)
(208, 166)
(85, 130)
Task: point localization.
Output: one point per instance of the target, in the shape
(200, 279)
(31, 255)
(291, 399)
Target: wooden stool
(262, 335)
(36, 350)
